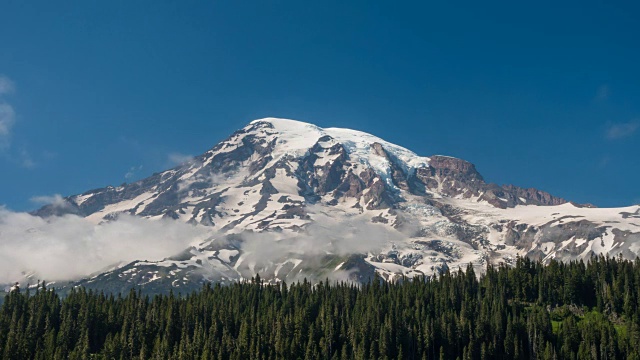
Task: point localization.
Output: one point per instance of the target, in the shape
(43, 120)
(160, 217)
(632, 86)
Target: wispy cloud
(7, 114)
(604, 161)
(177, 158)
(603, 93)
(25, 160)
(7, 119)
(621, 130)
(132, 172)
(56, 200)
(6, 85)
(21, 157)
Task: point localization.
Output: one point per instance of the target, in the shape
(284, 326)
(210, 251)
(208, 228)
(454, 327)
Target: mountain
(288, 200)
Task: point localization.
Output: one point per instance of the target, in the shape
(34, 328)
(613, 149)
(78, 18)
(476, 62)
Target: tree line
(573, 310)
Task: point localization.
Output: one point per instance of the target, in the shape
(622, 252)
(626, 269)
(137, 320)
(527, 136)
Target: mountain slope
(288, 199)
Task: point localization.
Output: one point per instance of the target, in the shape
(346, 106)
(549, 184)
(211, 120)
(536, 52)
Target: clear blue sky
(537, 94)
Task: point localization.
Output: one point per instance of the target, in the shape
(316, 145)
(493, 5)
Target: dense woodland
(530, 310)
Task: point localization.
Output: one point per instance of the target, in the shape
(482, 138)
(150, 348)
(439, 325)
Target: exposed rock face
(532, 196)
(453, 168)
(287, 178)
(351, 186)
(398, 175)
(454, 177)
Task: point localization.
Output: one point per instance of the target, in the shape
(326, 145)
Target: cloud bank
(70, 247)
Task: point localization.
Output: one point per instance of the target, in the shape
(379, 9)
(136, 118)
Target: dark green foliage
(558, 311)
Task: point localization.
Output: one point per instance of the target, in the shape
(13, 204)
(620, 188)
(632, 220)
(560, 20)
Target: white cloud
(70, 247)
(56, 200)
(132, 172)
(621, 130)
(177, 158)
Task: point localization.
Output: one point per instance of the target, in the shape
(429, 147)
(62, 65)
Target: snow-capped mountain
(287, 200)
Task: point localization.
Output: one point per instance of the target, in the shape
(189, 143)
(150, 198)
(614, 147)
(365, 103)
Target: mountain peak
(287, 179)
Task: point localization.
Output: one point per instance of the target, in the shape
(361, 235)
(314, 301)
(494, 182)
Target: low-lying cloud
(70, 247)
(327, 236)
(350, 237)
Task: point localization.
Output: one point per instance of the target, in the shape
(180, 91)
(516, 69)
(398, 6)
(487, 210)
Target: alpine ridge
(290, 200)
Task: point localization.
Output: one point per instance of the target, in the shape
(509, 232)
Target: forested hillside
(555, 311)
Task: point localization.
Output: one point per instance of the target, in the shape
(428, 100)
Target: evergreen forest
(528, 310)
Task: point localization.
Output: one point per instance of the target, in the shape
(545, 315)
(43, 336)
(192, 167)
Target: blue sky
(536, 94)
